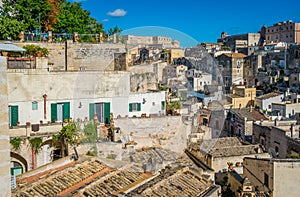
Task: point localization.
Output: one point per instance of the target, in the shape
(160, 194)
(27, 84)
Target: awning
(9, 46)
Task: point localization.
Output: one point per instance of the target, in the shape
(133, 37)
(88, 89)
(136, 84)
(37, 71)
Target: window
(163, 105)
(266, 180)
(134, 107)
(60, 111)
(101, 110)
(276, 149)
(13, 115)
(34, 105)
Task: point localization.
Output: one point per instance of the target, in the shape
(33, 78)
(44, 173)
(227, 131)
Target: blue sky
(201, 20)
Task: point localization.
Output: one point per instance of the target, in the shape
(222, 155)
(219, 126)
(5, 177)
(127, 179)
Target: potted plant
(44, 52)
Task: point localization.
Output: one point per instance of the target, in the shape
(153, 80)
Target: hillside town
(131, 115)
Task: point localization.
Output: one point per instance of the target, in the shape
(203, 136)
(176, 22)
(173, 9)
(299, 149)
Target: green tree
(69, 135)
(10, 27)
(173, 106)
(115, 30)
(56, 15)
(35, 144)
(16, 143)
(73, 18)
(90, 132)
(31, 12)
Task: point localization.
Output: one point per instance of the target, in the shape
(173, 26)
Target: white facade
(286, 109)
(266, 103)
(149, 104)
(76, 95)
(200, 80)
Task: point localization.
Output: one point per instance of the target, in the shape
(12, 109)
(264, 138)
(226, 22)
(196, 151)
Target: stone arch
(15, 157)
(55, 147)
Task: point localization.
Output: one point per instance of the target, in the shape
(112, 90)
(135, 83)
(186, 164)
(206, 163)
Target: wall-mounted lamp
(144, 101)
(80, 105)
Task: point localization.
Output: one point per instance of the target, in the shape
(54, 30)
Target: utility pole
(66, 55)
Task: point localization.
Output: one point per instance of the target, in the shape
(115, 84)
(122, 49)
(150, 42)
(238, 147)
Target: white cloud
(105, 20)
(117, 13)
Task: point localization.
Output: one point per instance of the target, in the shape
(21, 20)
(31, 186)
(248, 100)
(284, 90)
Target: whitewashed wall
(151, 106)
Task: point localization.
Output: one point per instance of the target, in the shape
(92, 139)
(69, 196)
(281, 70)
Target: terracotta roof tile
(235, 55)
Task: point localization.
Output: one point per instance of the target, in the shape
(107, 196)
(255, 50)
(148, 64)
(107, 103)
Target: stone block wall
(81, 56)
(4, 138)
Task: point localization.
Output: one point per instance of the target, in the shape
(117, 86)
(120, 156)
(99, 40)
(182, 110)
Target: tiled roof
(91, 177)
(64, 181)
(235, 55)
(234, 151)
(218, 143)
(186, 182)
(116, 182)
(156, 155)
(269, 95)
(253, 115)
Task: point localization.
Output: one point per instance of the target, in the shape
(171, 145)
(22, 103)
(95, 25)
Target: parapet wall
(81, 56)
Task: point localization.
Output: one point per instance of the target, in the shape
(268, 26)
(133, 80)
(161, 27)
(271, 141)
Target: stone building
(264, 102)
(41, 100)
(34, 95)
(286, 108)
(242, 42)
(216, 153)
(281, 138)
(251, 65)
(232, 68)
(5, 176)
(273, 176)
(241, 97)
(74, 56)
(242, 187)
(164, 42)
(199, 80)
(241, 122)
(286, 31)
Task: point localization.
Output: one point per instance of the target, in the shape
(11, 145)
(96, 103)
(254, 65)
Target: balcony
(31, 130)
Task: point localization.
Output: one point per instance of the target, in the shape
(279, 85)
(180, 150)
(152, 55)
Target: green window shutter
(66, 114)
(16, 170)
(139, 107)
(14, 111)
(130, 107)
(163, 105)
(107, 113)
(92, 110)
(53, 112)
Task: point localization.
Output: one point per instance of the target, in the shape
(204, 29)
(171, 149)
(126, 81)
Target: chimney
(276, 122)
(292, 130)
